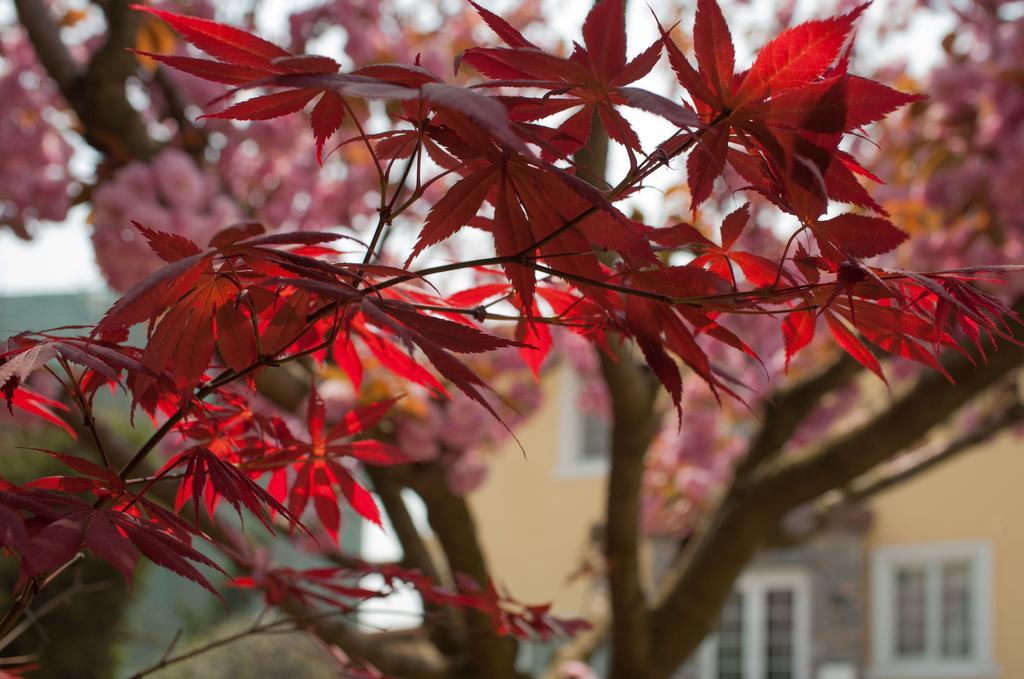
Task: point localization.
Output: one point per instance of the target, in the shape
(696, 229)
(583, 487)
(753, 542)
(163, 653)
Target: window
(729, 654)
(763, 631)
(585, 440)
(930, 610)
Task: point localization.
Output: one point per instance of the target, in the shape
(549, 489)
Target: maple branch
(568, 224)
(28, 593)
(992, 426)
(929, 403)
(33, 616)
(44, 34)
(479, 313)
(715, 301)
(10, 619)
(785, 253)
(88, 424)
(786, 411)
(386, 211)
(151, 443)
(84, 407)
(443, 268)
(256, 628)
(583, 280)
(224, 378)
(116, 449)
(983, 432)
(365, 138)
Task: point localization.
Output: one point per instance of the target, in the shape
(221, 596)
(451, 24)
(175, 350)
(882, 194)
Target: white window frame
(754, 587)
(885, 563)
(571, 461)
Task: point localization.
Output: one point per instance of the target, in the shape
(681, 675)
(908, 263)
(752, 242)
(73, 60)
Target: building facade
(925, 581)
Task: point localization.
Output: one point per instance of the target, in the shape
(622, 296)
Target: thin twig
(33, 616)
(276, 626)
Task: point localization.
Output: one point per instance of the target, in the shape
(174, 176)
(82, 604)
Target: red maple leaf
(60, 525)
(590, 80)
(788, 112)
(720, 259)
(206, 474)
(321, 464)
(244, 58)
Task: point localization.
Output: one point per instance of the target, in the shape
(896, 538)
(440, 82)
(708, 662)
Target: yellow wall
(976, 496)
(535, 523)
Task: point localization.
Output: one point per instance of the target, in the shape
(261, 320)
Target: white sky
(400, 610)
(58, 259)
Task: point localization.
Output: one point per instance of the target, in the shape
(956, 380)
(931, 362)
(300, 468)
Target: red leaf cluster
(564, 253)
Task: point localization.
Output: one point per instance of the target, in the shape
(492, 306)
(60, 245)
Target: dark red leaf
(853, 346)
(506, 32)
(797, 332)
(455, 208)
(705, 163)
(214, 71)
(712, 43)
(325, 119)
(360, 419)
(218, 40)
(856, 235)
(604, 34)
(661, 106)
(266, 106)
(796, 56)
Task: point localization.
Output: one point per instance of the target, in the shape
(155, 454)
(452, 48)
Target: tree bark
(95, 93)
(635, 421)
(489, 655)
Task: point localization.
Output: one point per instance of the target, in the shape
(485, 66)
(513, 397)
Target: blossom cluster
(458, 432)
(170, 194)
(30, 138)
(957, 162)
